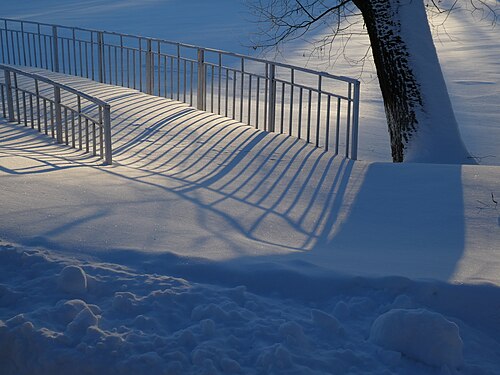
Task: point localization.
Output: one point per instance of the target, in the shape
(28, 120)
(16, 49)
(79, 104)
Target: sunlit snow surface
(210, 248)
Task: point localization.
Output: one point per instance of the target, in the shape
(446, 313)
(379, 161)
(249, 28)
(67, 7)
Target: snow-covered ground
(211, 248)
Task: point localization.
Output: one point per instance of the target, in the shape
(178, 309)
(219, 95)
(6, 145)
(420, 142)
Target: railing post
(57, 108)
(10, 99)
(108, 157)
(201, 80)
(55, 50)
(149, 73)
(272, 98)
(100, 55)
(355, 121)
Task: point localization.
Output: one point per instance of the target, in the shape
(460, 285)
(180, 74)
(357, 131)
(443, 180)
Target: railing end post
(201, 80)
(108, 156)
(355, 121)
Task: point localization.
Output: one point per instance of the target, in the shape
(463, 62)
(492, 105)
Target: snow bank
(419, 334)
(130, 322)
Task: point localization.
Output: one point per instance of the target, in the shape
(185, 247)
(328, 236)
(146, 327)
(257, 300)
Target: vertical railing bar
(234, 95)
(272, 99)
(266, 103)
(87, 141)
(337, 128)
(94, 139)
(4, 111)
(149, 72)
(355, 121)
(165, 76)
(121, 61)
(58, 119)
(80, 135)
(128, 68)
(318, 113)
(2, 46)
(110, 68)
(134, 70)
(178, 71)
(205, 83)
(68, 44)
(191, 76)
(201, 80)
(92, 67)
(249, 99)
(25, 114)
(107, 134)
(52, 120)
(282, 120)
(73, 137)
(299, 129)
(66, 128)
(7, 42)
(220, 83)
(242, 87)
(10, 100)
(45, 117)
(171, 77)
(115, 48)
(30, 59)
(18, 47)
(212, 89)
(309, 104)
(55, 50)
(348, 124)
(37, 93)
(327, 130)
(227, 91)
(257, 103)
(24, 45)
(185, 81)
(40, 45)
(32, 120)
(101, 133)
(292, 89)
(74, 52)
(140, 65)
(16, 89)
(63, 61)
(159, 68)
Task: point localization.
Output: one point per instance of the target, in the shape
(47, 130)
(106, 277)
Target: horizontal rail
(52, 111)
(318, 107)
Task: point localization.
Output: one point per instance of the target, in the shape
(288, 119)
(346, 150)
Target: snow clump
(419, 334)
(73, 280)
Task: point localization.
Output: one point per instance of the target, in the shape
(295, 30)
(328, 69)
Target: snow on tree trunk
(420, 116)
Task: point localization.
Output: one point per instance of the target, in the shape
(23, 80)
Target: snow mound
(419, 334)
(72, 280)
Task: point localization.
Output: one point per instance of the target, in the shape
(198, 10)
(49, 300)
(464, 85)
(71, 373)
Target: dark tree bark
(398, 84)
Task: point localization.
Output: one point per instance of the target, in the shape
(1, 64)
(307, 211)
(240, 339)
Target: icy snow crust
(131, 321)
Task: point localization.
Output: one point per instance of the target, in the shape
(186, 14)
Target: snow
(212, 248)
(419, 334)
(131, 321)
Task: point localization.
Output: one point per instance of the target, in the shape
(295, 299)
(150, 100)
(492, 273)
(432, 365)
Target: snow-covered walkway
(204, 186)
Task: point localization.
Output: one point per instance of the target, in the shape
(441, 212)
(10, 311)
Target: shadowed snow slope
(205, 186)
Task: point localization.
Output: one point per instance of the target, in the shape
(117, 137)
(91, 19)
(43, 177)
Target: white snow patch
(420, 334)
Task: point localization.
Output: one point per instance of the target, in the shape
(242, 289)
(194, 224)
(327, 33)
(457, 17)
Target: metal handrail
(269, 95)
(34, 111)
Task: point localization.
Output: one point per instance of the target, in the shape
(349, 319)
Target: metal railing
(68, 115)
(319, 107)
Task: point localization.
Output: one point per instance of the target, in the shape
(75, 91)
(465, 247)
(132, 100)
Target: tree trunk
(420, 117)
